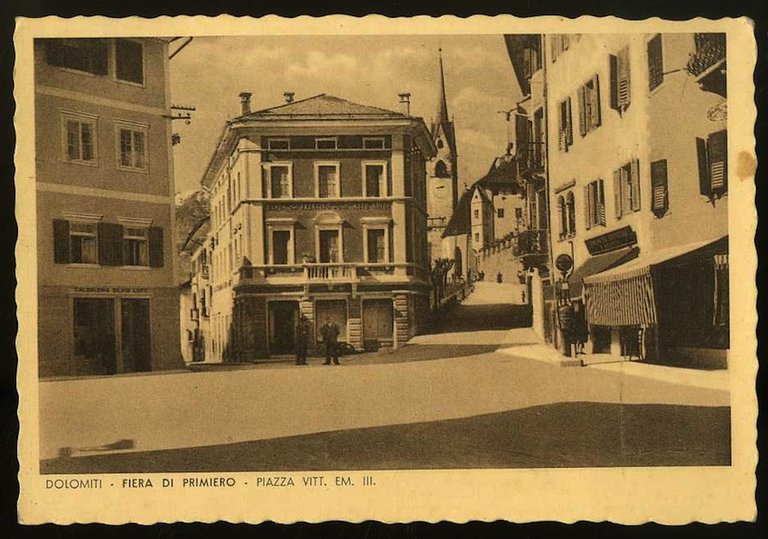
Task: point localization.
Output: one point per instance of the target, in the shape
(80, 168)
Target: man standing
(330, 334)
(302, 339)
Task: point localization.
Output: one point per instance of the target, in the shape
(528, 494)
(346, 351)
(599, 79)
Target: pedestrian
(302, 339)
(580, 330)
(330, 334)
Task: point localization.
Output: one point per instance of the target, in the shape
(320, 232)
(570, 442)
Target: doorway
(378, 323)
(136, 339)
(283, 318)
(336, 310)
(94, 336)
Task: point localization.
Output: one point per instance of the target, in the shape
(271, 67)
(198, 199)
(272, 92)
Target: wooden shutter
(600, 198)
(156, 247)
(581, 93)
(553, 47)
(569, 122)
(717, 146)
(705, 185)
(596, 101)
(110, 244)
(655, 62)
(613, 63)
(659, 190)
(624, 86)
(587, 207)
(561, 126)
(635, 174)
(618, 196)
(60, 241)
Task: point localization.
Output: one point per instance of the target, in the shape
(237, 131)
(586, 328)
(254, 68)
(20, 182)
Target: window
(79, 138)
(655, 62)
(559, 43)
(626, 189)
(713, 164)
(375, 179)
(567, 209)
(518, 214)
(133, 148)
(129, 61)
(279, 144)
(476, 214)
(620, 81)
(477, 237)
(594, 197)
(565, 126)
(83, 246)
(280, 182)
(327, 178)
(659, 188)
(500, 213)
(135, 246)
(282, 251)
(328, 143)
(328, 246)
(441, 170)
(376, 239)
(589, 106)
(373, 143)
(440, 144)
(538, 139)
(86, 55)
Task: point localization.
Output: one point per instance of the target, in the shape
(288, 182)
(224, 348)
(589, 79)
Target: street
(457, 398)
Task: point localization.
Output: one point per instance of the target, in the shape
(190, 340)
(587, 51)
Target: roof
(459, 222)
(322, 106)
(503, 173)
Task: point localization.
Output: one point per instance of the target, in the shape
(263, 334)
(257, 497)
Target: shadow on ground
(579, 434)
(482, 317)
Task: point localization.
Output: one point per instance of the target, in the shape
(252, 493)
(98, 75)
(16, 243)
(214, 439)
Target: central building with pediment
(318, 208)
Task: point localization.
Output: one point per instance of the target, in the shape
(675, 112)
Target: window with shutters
(713, 164)
(129, 61)
(594, 196)
(376, 245)
(659, 188)
(79, 140)
(83, 243)
(327, 180)
(566, 207)
(135, 246)
(655, 62)
(589, 106)
(620, 80)
(565, 127)
(279, 180)
(132, 148)
(79, 54)
(374, 179)
(626, 188)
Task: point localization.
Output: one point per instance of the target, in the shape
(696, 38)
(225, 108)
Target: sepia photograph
(262, 257)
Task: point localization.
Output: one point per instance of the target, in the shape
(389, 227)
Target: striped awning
(623, 300)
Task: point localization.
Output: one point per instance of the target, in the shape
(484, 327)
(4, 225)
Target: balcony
(532, 247)
(707, 63)
(530, 157)
(336, 273)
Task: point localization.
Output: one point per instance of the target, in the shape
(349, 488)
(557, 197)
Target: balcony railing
(530, 157)
(329, 272)
(346, 272)
(710, 50)
(531, 242)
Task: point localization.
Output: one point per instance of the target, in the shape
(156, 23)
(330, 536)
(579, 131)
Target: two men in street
(329, 333)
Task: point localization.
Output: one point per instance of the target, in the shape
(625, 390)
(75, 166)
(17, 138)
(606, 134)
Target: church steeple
(442, 115)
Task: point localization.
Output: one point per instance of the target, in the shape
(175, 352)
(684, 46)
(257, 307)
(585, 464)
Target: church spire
(442, 117)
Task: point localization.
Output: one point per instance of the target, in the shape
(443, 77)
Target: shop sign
(611, 241)
(110, 290)
(564, 263)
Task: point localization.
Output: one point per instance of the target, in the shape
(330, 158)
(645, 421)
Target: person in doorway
(302, 339)
(580, 329)
(330, 334)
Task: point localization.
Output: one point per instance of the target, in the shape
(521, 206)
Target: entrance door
(378, 321)
(283, 317)
(94, 336)
(137, 346)
(329, 246)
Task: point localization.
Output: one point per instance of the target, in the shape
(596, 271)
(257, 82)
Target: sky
(371, 70)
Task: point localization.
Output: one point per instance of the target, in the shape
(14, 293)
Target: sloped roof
(322, 106)
(502, 174)
(459, 222)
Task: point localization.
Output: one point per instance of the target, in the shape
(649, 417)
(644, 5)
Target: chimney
(405, 99)
(288, 96)
(245, 102)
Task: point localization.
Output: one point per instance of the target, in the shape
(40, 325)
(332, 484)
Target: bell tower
(442, 173)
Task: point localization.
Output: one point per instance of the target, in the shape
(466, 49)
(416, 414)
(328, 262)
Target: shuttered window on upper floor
(621, 88)
(655, 62)
(659, 188)
(107, 244)
(713, 164)
(589, 106)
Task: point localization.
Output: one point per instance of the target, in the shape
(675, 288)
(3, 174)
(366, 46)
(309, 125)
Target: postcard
(388, 269)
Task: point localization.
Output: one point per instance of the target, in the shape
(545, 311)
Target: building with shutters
(636, 150)
(108, 301)
(318, 208)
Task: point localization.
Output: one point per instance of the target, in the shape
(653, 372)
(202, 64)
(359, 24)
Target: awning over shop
(598, 263)
(625, 296)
